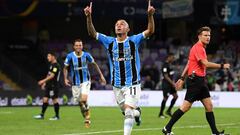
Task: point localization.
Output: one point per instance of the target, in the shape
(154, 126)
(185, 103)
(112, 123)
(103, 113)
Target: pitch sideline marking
(151, 129)
(7, 112)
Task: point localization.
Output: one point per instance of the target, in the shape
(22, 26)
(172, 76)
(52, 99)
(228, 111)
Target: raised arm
(151, 26)
(90, 27)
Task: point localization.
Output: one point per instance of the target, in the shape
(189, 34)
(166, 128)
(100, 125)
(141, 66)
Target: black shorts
(197, 89)
(168, 89)
(51, 92)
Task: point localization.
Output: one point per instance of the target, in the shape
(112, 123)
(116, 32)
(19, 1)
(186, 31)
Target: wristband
(222, 65)
(182, 78)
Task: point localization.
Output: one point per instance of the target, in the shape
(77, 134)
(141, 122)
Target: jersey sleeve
(90, 58)
(137, 39)
(200, 54)
(164, 69)
(54, 69)
(67, 60)
(105, 40)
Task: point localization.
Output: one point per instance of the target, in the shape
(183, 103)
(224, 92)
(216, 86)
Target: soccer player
(124, 62)
(168, 86)
(196, 85)
(76, 63)
(51, 83)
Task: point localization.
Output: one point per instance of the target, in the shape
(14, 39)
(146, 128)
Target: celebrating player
(124, 64)
(77, 63)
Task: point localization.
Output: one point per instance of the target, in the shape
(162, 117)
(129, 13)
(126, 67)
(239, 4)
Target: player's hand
(88, 9)
(174, 85)
(179, 84)
(102, 80)
(43, 86)
(151, 9)
(41, 82)
(67, 82)
(226, 66)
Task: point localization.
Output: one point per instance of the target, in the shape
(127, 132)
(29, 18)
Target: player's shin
(128, 122)
(44, 108)
(85, 109)
(56, 109)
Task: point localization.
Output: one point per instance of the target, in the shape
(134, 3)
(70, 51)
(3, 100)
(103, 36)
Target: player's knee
(209, 107)
(185, 108)
(55, 100)
(165, 98)
(45, 100)
(129, 114)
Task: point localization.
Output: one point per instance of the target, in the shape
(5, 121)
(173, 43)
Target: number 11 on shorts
(133, 90)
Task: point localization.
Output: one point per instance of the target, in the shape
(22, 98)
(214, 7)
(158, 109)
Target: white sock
(136, 113)
(128, 122)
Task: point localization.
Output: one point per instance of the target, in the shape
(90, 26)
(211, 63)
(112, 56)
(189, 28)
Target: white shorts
(83, 89)
(128, 95)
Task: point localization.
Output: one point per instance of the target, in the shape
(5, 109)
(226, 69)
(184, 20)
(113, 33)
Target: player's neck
(204, 45)
(121, 37)
(54, 61)
(78, 53)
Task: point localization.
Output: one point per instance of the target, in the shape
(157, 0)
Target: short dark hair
(52, 53)
(77, 40)
(205, 28)
(170, 54)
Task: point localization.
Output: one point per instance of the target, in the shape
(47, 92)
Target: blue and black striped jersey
(78, 67)
(123, 58)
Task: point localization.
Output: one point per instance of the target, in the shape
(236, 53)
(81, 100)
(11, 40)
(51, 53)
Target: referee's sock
(175, 117)
(44, 108)
(56, 109)
(211, 121)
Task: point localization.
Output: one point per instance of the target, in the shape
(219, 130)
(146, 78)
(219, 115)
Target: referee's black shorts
(197, 89)
(51, 91)
(168, 89)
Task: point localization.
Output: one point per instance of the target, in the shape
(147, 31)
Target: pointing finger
(90, 4)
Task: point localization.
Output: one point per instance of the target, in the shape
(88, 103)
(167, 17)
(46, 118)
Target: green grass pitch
(109, 121)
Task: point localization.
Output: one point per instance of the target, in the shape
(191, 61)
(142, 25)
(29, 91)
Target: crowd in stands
(152, 57)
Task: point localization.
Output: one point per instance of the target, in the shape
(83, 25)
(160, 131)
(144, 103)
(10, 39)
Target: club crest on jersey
(227, 11)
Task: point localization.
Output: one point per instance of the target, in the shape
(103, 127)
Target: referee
(196, 85)
(168, 86)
